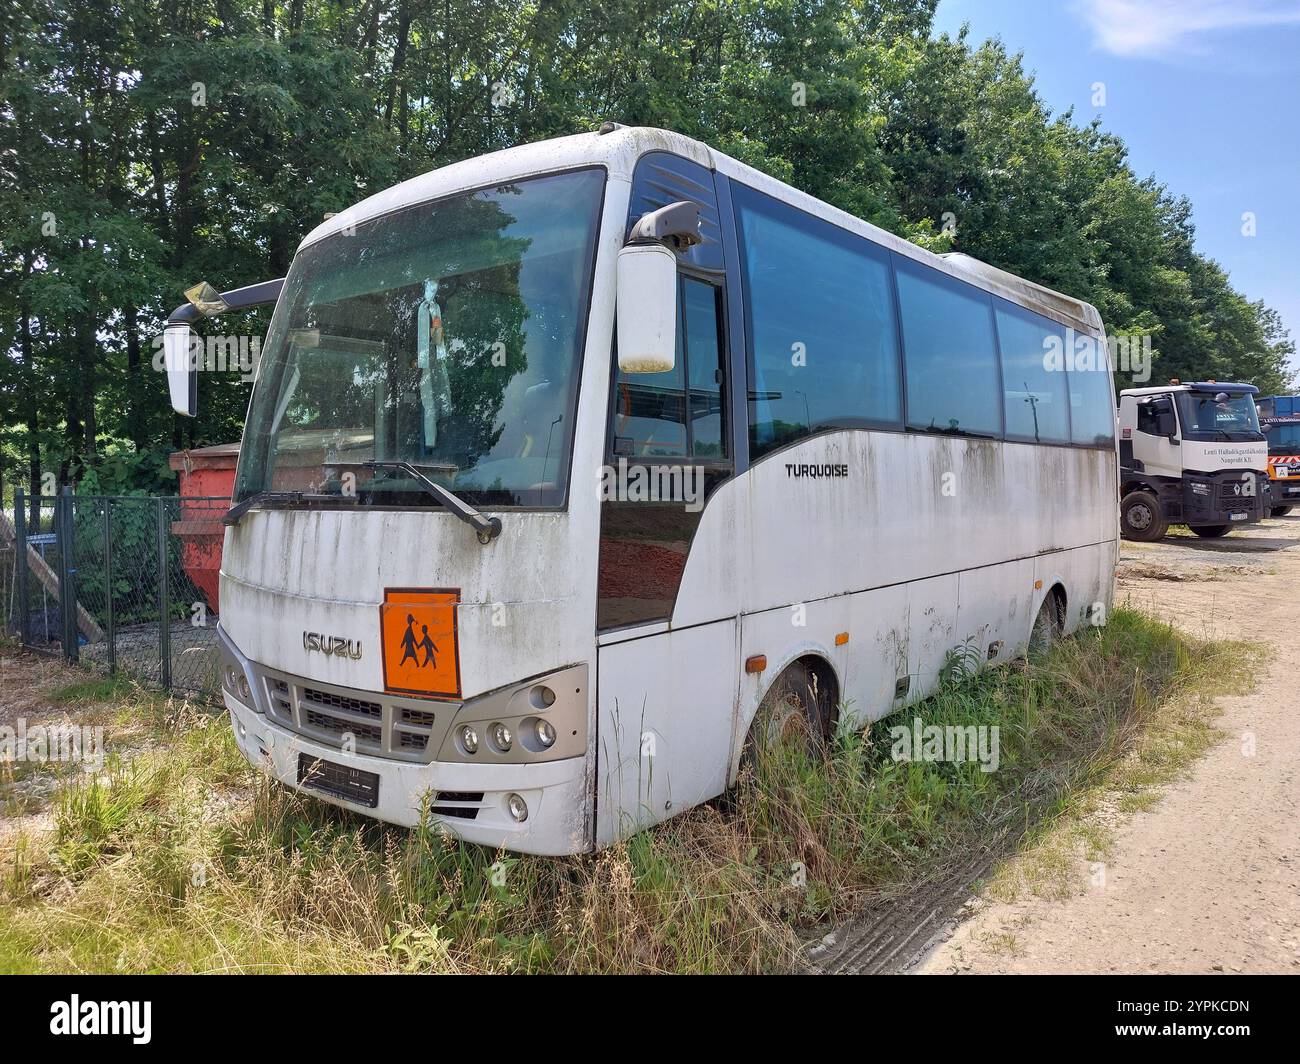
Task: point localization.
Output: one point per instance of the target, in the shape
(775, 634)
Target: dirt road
(1208, 880)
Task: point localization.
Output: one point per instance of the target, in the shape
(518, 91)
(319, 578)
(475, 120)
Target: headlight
(501, 737)
(469, 739)
(237, 684)
(545, 732)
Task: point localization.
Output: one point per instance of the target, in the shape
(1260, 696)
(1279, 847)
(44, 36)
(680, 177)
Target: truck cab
(1279, 416)
(1191, 454)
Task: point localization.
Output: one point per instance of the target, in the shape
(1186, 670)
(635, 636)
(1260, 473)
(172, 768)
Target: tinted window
(699, 340)
(653, 417)
(1034, 394)
(823, 343)
(1092, 417)
(1148, 415)
(950, 353)
(447, 334)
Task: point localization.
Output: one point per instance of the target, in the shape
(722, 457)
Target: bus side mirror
(182, 374)
(646, 300)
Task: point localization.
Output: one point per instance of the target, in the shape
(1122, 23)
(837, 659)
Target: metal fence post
(164, 602)
(67, 573)
(20, 568)
(110, 632)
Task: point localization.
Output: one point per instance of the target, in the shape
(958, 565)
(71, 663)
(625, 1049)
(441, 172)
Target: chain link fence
(125, 584)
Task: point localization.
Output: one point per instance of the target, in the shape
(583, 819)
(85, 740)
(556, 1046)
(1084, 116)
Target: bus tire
(798, 707)
(1279, 511)
(1211, 531)
(1140, 518)
(1048, 626)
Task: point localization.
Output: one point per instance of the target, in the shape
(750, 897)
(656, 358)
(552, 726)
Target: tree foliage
(147, 145)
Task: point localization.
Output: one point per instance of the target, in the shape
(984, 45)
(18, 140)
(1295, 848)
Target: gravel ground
(1208, 880)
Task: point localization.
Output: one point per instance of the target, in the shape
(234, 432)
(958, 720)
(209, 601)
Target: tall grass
(186, 860)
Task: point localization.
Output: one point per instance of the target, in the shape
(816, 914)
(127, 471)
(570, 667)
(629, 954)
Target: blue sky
(1205, 93)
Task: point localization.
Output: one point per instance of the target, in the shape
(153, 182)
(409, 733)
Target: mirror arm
(678, 225)
(252, 295)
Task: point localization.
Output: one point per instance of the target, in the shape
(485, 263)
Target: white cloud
(1164, 27)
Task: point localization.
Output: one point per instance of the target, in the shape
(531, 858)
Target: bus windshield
(447, 335)
(1205, 416)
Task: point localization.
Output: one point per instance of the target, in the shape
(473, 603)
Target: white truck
(1191, 454)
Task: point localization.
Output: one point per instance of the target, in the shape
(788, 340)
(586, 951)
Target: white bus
(563, 461)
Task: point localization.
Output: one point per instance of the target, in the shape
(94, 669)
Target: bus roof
(617, 148)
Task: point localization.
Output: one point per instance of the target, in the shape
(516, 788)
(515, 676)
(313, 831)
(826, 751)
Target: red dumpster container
(207, 481)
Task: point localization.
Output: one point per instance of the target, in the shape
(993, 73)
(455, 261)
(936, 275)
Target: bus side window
(700, 318)
(655, 414)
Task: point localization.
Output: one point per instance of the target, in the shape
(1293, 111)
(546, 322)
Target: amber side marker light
(841, 639)
(1038, 585)
(757, 663)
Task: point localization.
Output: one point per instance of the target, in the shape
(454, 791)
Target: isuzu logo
(332, 645)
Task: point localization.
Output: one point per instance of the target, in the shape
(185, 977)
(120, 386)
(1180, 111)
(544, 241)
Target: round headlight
(501, 737)
(545, 732)
(469, 739)
(518, 808)
(542, 697)
(245, 692)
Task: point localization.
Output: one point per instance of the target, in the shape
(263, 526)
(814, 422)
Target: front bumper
(555, 791)
(1213, 500)
(1285, 491)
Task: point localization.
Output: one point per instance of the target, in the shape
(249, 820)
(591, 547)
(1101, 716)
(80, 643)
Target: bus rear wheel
(1140, 518)
(1211, 531)
(1279, 511)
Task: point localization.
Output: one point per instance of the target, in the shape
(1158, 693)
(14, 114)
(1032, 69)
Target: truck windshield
(447, 335)
(1204, 416)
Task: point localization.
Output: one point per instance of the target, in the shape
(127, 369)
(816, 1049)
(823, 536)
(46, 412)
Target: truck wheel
(1140, 518)
(1279, 511)
(1211, 531)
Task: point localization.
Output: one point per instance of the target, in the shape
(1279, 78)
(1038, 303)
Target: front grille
(1235, 491)
(352, 705)
(366, 733)
(379, 725)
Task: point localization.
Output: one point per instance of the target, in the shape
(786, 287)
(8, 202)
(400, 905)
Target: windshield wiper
(277, 498)
(487, 528)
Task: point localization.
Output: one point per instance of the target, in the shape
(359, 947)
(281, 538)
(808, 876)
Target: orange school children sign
(417, 627)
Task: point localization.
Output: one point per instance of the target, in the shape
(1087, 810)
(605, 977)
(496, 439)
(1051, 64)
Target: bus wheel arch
(807, 682)
(1049, 624)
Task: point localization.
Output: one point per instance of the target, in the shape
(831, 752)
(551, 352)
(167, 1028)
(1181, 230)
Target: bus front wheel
(1048, 626)
(798, 709)
(1140, 518)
